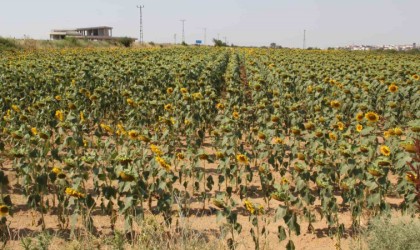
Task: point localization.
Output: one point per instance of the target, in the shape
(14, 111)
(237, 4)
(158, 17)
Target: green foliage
(386, 232)
(126, 41)
(219, 43)
(7, 44)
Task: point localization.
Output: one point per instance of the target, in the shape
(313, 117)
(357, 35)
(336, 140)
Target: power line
(141, 23)
(183, 30)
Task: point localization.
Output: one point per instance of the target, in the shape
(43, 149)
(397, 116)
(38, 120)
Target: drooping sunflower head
(168, 107)
(332, 136)
(4, 210)
(235, 115)
(184, 90)
(385, 150)
(220, 106)
(335, 104)
(133, 134)
(340, 126)
(372, 117)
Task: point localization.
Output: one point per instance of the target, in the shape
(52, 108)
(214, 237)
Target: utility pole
(175, 38)
(183, 30)
(205, 36)
(225, 39)
(141, 23)
(304, 39)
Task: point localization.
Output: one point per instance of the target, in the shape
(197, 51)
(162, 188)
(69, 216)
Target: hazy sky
(243, 22)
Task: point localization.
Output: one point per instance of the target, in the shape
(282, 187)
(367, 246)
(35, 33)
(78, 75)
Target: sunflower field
(281, 136)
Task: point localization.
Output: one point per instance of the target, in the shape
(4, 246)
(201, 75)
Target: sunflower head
(393, 88)
(385, 150)
(242, 158)
(169, 90)
(372, 117)
(133, 134)
(332, 136)
(359, 127)
(335, 104)
(359, 116)
(4, 210)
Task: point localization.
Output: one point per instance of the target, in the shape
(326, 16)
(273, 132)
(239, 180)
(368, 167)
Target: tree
(219, 43)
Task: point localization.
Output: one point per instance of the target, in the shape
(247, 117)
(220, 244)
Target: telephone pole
(141, 23)
(205, 36)
(304, 39)
(183, 30)
(175, 38)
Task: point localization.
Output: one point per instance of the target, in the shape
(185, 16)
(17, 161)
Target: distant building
(91, 33)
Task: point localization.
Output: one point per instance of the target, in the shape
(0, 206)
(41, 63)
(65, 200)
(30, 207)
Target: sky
(242, 22)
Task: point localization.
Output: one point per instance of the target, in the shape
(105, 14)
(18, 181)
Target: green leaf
(281, 233)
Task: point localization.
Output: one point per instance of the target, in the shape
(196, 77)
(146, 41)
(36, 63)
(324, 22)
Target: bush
(126, 41)
(7, 44)
(396, 233)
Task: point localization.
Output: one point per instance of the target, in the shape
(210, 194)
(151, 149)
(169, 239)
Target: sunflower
(16, 108)
(393, 88)
(332, 136)
(220, 155)
(59, 115)
(359, 127)
(131, 102)
(155, 149)
(416, 77)
(385, 150)
(372, 117)
(409, 147)
(242, 158)
(4, 210)
(301, 156)
(56, 170)
(184, 90)
(34, 131)
(278, 140)
(411, 177)
(168, 107)
(386, 134)
(133, 134)
(107, 128)
(220, 106)
(163, 163)
(126, 177)
(58, 97)
(398, 131)
(359, 116)
(261, 136)
(82, 116)
(275, 118)
(235, 115)
(340, 126)
(180, 156)
(169, 90)
(74, 193)
(335, 104)
(121, 129)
